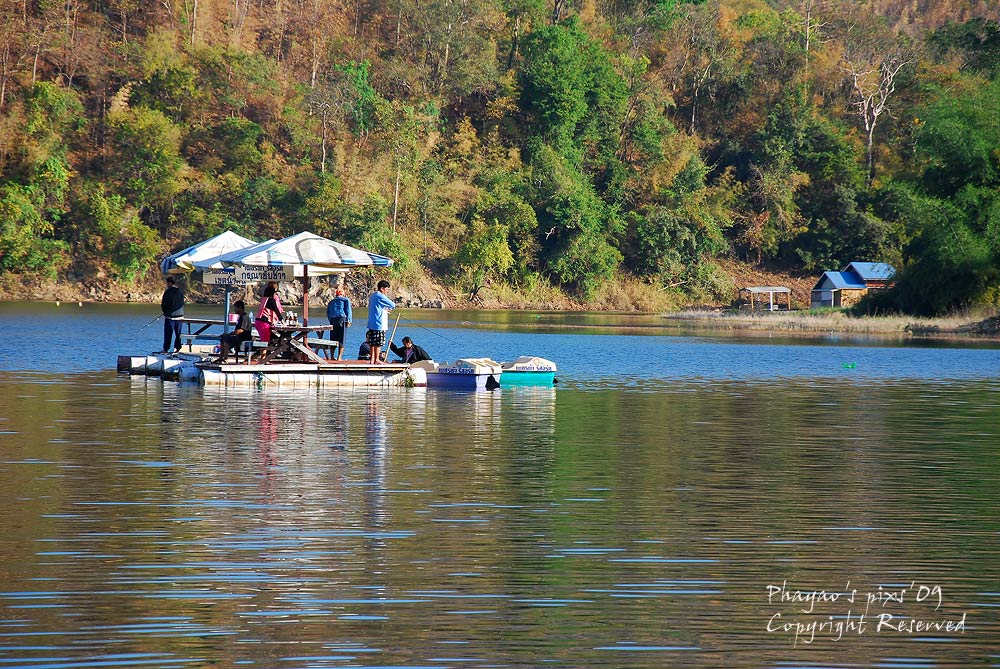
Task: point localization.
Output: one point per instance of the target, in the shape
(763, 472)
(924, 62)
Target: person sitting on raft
(409, 352)
(231, 341)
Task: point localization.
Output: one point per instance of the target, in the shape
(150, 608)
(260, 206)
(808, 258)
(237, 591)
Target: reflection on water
(152, 524)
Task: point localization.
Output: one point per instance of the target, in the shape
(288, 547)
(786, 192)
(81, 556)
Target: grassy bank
(819, 322)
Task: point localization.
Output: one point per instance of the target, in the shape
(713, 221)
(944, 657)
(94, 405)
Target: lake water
(678, 500)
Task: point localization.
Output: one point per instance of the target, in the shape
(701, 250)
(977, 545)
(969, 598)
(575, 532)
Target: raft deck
(348, 373)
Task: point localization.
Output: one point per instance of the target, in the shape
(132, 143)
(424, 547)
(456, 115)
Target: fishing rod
(148, 324)
(384, 355)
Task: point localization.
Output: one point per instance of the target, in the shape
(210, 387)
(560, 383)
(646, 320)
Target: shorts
(339, 329)
(375, 338)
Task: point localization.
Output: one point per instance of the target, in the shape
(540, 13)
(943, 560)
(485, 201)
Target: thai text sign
(241, 274)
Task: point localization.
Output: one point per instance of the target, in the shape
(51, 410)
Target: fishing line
(447, 339)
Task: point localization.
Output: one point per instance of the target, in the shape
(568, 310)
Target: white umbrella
(184, 261)
(228, 258)
(306, 253)
(192, 257)
(319, 254)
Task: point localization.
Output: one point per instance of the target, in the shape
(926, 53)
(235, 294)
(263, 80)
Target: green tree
(958, 139)
(485, 256)
(812, 186)
(145, 163)
(950, 210)
(25, 242)
(168, 81)
(577, 228)
(501, 199)
(107, 227)
(554, 83)
(34, 186)
(676, 238)
(977, 41)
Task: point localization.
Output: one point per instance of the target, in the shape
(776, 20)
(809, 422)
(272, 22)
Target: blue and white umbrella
(188, 260)
(307, 253)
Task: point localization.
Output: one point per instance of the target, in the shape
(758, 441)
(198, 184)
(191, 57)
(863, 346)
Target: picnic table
(289, 339)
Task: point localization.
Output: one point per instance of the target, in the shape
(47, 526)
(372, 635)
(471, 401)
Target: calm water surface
(635, 516)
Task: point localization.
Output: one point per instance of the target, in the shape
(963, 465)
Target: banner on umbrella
(243, 274)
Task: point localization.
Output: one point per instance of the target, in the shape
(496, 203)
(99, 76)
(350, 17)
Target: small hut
(846, 288)
(875, 275)
(753, 296)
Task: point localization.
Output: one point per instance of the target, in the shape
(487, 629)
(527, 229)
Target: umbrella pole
(305, 295)
(225, 324)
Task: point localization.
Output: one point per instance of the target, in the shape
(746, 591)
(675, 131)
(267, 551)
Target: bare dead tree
(872, 84)
(811, 25)
(708, 51)
(873, 57)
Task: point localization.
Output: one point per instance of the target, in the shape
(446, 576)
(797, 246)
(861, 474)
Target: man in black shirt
(409, 352)
(172, 306)
(231, 341)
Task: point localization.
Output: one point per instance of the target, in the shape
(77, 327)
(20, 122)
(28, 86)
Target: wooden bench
(190, 339)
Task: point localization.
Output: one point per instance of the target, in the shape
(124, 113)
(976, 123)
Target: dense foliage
(514, 142)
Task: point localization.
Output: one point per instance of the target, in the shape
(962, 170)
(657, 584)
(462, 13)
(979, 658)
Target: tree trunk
(399, 22)
(515, 36)
(694, 109)
(395, 198)
(322, 164)
(557, 8)
(3, 74)
(315, 62)
(194, 21)
(443, 72)
(34, 64)
(871, 154)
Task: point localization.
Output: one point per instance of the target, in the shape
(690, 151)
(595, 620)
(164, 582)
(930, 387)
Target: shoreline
(800, 323)
(975, 328)
(430, 295)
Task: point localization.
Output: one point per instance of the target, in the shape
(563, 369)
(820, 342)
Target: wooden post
(305, 295)
(225, 324)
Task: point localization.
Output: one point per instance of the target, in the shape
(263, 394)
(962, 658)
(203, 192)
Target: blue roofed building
(874, 274)
(845, 288)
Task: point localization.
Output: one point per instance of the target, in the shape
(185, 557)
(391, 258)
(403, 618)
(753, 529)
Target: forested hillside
(512, 142)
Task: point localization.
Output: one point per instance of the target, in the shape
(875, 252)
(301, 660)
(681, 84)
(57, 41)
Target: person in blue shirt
(338, 312)
(379, 306)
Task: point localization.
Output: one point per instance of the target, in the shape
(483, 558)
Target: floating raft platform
(345, 373)
(194, 368)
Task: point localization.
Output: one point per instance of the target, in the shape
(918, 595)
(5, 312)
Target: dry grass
(622, 294)
(540, 296)
(631, 294)
(838, 321)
